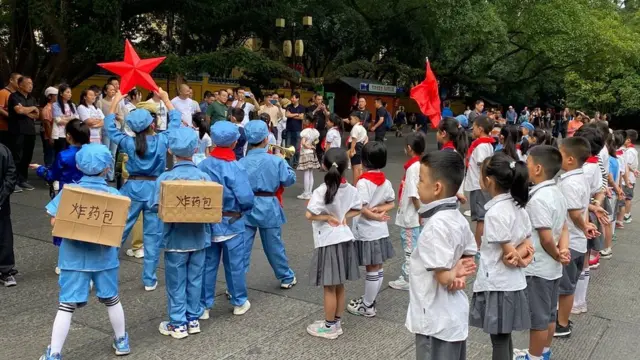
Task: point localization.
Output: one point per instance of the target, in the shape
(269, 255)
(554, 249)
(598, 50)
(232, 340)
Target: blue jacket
(183, 236)
(84, 256)
(152, 163)
(64, 169)
(237, 195)
(266, 173)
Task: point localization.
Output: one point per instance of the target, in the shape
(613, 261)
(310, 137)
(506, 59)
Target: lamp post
(295, 47)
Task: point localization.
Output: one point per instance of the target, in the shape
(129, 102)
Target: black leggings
(502, 347)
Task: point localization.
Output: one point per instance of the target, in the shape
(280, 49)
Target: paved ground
(275, 326)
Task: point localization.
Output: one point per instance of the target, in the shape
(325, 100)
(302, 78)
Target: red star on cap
(134, 71)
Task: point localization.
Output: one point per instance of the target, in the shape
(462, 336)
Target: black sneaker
(7, 280)
(17, 189)
(562, 331)
(26, 186)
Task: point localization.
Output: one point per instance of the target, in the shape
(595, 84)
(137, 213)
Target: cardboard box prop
(91, 216)
(188, 201)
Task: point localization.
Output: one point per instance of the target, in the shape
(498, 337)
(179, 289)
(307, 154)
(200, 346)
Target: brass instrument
(284, 152)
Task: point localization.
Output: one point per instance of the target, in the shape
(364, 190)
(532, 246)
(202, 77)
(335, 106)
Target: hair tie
(334, 165)
(512, 165)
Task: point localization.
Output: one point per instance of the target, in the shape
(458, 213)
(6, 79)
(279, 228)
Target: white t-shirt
(128, 107)
(333, 138)
(187, 108)
(346, 199)
(92, 112)
(247, 107)
(547, 209)
(58, 131)
(359, 133)
(407, 216)
(161, 116)
(433, 309)
(594, 177)
(573, 185)
(604, 156)
(371, 196)
(310, 135)
(472, 177)
(631, 155)
(204, 143)
(504, 222)
(622, 161)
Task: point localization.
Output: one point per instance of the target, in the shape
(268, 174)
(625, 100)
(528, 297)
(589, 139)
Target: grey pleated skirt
(500, 312)
(374, 252)
(334, 264)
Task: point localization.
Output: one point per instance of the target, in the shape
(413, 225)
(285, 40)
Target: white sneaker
(338, 326)
(319, 329)
(606, 253)
(205, 315)
(56, 185)
(359, 308)
(137, 253)
(304, 196)
(400, 284)
(467, 213)
(579, 309)
(241, 310)
(57, 270)
(289, 285)
(193, 327)
(176, 332)
(152, 287)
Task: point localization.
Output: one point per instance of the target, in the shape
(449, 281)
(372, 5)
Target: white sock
(370, 288)
(531, 357)
(308, 181)
(116, 316)
(546, 350)
(61, 326)
(587, 276)
(380, 280)
(581, 289)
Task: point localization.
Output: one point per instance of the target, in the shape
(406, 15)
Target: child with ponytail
(499, 305)
(334, 258)
(452, 136)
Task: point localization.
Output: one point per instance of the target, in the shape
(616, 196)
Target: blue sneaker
(121, 345)
(49, 356)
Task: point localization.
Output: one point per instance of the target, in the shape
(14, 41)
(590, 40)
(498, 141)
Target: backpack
(388, 121)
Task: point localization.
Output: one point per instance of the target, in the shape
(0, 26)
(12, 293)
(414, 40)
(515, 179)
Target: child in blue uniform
(184, 245)
(266, 174)
(147, 153)
(64, 169)
(81, 262)
(237, 201)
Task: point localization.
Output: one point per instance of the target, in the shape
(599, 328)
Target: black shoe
(562, 331)
(7, 280)
(26, 186)
(17, 189)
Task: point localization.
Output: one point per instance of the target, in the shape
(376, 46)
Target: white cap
(51, 91)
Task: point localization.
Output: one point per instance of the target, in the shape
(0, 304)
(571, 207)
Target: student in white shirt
(547, 211)
(357, 139)
(370, 228)
(438, 310)
(204, 140)
(91, 115)
(407, 217)
(574, 186)
(480, 149)
(308, 162)
(631, 156)
(624, 178)
(334, 258)
(335, 128)
(614, 142)
(499, 305)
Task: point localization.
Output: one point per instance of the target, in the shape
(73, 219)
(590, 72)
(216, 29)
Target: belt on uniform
(141, 177)
(264, 193)
(235, 216)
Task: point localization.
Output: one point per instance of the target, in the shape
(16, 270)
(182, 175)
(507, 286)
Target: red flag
(427, 96)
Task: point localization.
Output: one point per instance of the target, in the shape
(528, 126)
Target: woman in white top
(91, 115)
(309, 137)
(500, 305)
(64, 110)
(334, 258)
(335, 127)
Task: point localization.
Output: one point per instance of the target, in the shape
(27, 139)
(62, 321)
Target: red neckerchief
(448, 145)
(592, 160)
(407, 165)
(477, 142)
(376, 177)
(518, 146)
(223, 153)
(310, 126)
(343, 181)
(630, 146)
(619, 152)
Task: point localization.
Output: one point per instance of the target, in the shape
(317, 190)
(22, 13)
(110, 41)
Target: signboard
(377, 88)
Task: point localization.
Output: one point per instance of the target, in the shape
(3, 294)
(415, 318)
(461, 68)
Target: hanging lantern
(299, 48)
(307, 21)
(280, 23)
(286, 48)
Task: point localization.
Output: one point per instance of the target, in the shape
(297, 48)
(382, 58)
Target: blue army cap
(463, 121)
(256, 131)
(138, 120)
(183, 141)
(224, 133)
(527, 125)
(92, 159)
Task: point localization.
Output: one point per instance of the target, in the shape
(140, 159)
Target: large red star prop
(134, 71)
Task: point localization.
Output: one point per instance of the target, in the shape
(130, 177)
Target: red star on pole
(133, 70)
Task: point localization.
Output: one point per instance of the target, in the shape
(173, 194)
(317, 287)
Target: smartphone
(247, 94)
